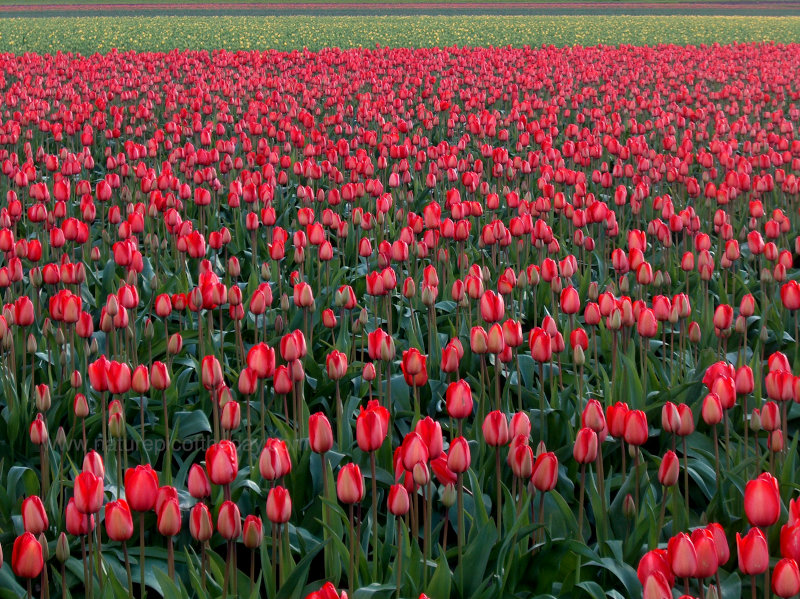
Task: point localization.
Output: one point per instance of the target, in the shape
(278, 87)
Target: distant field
(113, 8)
(100, 34)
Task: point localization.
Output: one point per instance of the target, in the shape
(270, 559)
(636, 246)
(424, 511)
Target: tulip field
(500, 322)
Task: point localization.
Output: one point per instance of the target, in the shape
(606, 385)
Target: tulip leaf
(440, 583)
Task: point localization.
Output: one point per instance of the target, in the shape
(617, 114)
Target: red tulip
(495, 429)
(350, 484)
(26, 557)
(492, 308)
(398, 501)
(653, 561)
(790, 541)
(635, 431)
(336, 365)
(669, 470)
(279, 505)
(169, 518)
(229, 521)
(458, 459)
(459, 399)
(118, 377)
(119, 523)
(200, 525)
(372, 427)
(585, 448)
(545, 472)
(786, 578)
(656, 587)
(319, 433)
(77, 523)
(762, 503)
(211, 372)
(274, 461)
(198, 484)
(414, 367)
(88, 493)
(706, 548)
(222, 463)
(431, 433)
(753, 552)
(141, 488)
(682, 556)
(252, 532)
(34, 516)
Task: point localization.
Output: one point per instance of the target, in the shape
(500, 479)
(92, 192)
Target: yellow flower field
(101, 34)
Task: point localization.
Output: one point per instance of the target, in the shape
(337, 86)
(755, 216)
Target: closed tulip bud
(545, 472)
(62, 549)
(753, 552)
(669, 469)
(521, 460)
(398, 501)
(585, 449)
(706, 550)
(159, 376)
(655, 561)
(593, 416)
(459, 399)
(430, 432)
(336, 365)
(42, 394)
(421, 474)
(252, 532)
(229, 521)
(211, 372)
(169, 518)
(686, 424)
(694, 333)
(520, 425)
(495, 429)
(657, 587)
(350, 484)
(119, 523)
(141, 488)
(231, 416)
(34, 516)
(274, 461)
(775, 441)
(770, 416)
(720, 541)
(222, 463)
(38, 431)
(80, 406)
(88, 492)
(712, 409)
(320, 433)
(635, 431)
(682, 556)
(175, 344)
(200, 525)
(448, 495)
(93, 462)
(76, 522)
(762, 503)
(458, 460)
(786, 578)
(140, 380)
(61, 438)
(198, 483)
(629, 507)
(27, 560)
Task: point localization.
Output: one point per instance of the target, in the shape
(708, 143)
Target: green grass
(100, 34)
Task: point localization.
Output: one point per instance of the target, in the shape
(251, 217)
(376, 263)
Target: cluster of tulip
(701, 554)
(458, 286)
